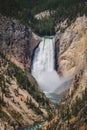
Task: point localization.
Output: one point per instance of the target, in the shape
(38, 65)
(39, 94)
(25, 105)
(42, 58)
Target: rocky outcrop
(17, 41)
(44, 14)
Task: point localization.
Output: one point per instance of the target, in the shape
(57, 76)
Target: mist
(50, 82)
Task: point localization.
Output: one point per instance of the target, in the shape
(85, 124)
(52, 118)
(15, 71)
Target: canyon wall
(17, 41)
(21, 102)
(72, 45)
(72, 55)
(72, 60)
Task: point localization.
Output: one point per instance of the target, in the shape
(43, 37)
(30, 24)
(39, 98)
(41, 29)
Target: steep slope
(72, 60)
(17, 41)
(72, 47)
(21, 102)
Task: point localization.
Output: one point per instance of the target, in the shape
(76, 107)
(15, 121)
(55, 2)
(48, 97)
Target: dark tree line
(24, 10)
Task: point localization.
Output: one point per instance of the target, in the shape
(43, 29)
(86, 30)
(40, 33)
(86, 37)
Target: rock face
(72, 60)
(20, 99)
(72, 52)
(17, 41)
(72, 47)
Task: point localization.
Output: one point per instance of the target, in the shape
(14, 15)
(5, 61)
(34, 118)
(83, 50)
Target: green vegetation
(2, 88)
(66, 112)
(14, 72)
(9, 72)
(25, 10)
(79, 103)
(69, 116)
(3, 115)
(31, 105)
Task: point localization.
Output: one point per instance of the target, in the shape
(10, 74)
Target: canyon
(68, 57)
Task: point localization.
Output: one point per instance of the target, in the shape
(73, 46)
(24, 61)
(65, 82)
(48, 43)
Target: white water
(43, 68)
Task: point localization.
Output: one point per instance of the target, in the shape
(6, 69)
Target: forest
(25, 11)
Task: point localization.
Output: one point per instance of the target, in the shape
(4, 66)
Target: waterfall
(44, 57)
(43, 68)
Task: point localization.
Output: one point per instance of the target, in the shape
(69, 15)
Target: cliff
(17, 41)
(71, 49)
(21, 102)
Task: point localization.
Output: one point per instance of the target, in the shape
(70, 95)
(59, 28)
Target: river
(34, 127)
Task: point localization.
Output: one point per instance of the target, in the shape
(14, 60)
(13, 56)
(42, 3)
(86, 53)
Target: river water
(34, 127)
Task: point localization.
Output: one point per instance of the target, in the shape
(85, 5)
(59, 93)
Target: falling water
(43, 68)
(44, 57)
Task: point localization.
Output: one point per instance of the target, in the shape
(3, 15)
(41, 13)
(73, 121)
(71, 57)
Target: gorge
(43, 65)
